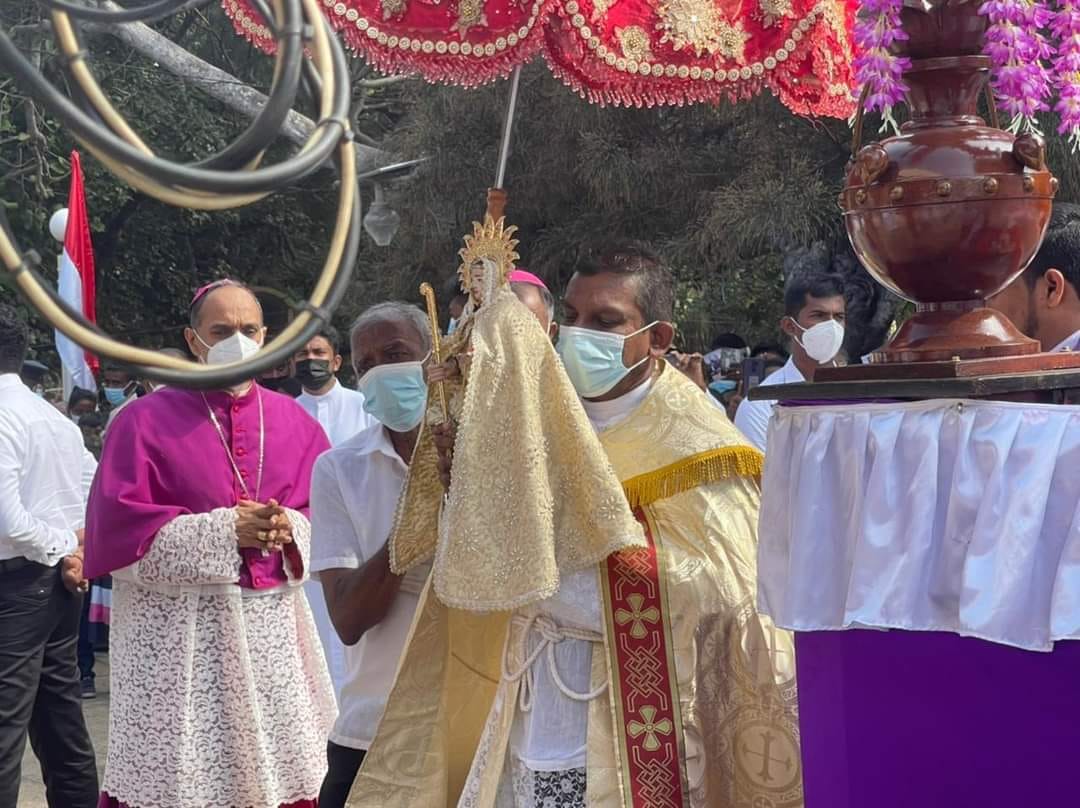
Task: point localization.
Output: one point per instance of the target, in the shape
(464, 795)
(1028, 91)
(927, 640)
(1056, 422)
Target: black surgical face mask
(313, 373)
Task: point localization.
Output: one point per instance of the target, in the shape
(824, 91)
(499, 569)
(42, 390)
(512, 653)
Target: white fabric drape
(959, 516)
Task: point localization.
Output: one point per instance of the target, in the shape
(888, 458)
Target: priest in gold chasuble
(626, 667)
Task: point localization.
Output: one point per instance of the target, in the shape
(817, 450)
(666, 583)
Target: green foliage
(724, 193)
(150, 256)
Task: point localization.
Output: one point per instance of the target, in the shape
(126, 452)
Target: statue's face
(476, 280)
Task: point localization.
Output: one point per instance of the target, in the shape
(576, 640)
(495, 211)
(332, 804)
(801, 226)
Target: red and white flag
(76, 284)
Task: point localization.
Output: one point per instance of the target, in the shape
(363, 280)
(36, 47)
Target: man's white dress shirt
(752, 417)
(340, 411)
(354, 494)
(45, 476)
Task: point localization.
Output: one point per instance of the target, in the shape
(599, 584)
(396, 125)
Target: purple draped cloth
(919, 719)
(163, 458)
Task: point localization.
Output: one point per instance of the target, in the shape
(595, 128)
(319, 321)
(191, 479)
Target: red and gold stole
(644, 692)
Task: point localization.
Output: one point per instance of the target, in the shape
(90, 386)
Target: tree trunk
(220, 84)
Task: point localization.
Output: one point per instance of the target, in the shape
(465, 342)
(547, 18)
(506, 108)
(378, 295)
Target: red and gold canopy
(628, 52)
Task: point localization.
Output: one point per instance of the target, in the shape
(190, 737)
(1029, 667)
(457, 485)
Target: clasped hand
(263, 527)
(71, 568)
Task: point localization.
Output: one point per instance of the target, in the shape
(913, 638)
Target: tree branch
(215, 82)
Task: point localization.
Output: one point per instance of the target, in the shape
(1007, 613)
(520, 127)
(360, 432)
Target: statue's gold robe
(700, 710)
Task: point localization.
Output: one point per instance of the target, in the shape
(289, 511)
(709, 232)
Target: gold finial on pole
(436, 343)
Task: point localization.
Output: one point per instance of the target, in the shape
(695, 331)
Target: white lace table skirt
(956, 516)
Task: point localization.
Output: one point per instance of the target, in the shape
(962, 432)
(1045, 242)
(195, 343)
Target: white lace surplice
(220, 695)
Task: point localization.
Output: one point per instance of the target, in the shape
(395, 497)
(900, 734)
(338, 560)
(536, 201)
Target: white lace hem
(217, 699)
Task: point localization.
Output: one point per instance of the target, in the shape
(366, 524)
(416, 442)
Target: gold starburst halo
(491, 241)
(698, 25)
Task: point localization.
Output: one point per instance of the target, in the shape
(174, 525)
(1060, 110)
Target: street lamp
(58, 224)
(381, 221)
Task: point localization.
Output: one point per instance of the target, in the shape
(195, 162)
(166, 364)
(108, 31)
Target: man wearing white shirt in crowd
(45, 476)
(1044, 302)
(354, 493)
(340, 412)
(338, 409)
(814, 316)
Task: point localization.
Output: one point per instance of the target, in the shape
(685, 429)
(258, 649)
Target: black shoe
(88, 689)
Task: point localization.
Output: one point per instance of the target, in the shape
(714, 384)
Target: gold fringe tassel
(701, 469)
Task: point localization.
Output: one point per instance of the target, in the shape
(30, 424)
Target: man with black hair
(339, 409)
(1044, 302)
(45, 476)
(81, 402)
(814, 316)
(770, 352)
(141, 388)
(117, 386)
(569, 723)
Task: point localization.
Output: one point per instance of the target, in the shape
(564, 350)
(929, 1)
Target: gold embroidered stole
(694, 673)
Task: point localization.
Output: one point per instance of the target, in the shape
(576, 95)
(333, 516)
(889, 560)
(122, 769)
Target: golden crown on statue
(491, 241)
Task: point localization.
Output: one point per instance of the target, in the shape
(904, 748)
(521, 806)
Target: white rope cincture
(551, 635)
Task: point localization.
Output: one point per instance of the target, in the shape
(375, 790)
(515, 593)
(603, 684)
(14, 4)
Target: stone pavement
(32, 790)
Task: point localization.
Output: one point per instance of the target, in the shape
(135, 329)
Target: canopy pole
(508, 127)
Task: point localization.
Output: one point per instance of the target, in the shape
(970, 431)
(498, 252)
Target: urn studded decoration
(951, 210)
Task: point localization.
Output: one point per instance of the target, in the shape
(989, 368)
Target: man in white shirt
(814, 315)
(338, 409)
(354, 493)
(1044, 302)
(45, 476)
(563, 727)
(340, 412)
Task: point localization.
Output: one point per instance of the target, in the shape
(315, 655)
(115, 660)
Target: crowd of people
(268, 646)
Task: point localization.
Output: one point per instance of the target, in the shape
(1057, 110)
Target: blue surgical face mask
(594, 359)
(114, 395)
(395, 395)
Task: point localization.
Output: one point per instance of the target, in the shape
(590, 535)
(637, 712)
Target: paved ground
(32, 791)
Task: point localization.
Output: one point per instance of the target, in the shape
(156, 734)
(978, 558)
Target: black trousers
(39, 687)
(86, 644)
(344, 764)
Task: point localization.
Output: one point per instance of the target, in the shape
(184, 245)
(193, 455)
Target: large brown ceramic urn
(950, 211)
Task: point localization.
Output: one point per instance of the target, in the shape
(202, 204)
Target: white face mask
(823, 341)
(231, 349)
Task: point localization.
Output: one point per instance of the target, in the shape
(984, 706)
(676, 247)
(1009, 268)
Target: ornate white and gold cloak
(700, 708)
